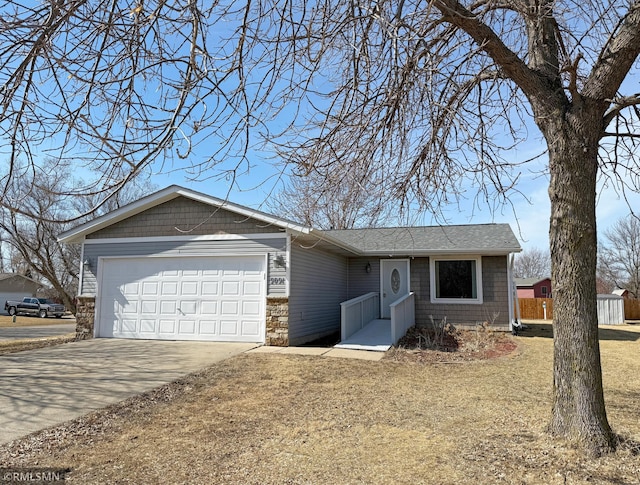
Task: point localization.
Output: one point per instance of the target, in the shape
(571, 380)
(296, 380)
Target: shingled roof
(425, 240)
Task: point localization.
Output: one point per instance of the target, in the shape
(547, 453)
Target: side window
(543, 289)
(456, 280)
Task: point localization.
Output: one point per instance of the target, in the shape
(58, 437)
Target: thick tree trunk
(578, 403)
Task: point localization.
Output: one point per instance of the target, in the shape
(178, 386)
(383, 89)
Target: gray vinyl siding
(361, 282)
(272, 247)
(318, 286)
(182, 216)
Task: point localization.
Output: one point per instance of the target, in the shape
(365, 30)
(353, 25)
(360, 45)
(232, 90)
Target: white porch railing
(358, 312)
(403, 316)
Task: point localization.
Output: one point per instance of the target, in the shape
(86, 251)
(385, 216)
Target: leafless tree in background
(532, 263)
(431, 94)
(620, 255)
(32, 234)
(334, 197)
(34, 249)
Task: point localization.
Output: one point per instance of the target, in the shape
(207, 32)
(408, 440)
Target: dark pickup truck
(34, 306)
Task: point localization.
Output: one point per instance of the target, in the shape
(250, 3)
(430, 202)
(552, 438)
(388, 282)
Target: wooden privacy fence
(632, 309)
(532, 309)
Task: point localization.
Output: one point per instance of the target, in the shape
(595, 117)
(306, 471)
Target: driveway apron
(45, 387)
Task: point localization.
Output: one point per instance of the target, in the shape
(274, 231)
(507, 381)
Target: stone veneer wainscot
(85, 317)
(277, 322)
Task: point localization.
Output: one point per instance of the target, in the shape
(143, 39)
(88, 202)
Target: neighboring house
(179, 264)
(15, 287)
(533, 287)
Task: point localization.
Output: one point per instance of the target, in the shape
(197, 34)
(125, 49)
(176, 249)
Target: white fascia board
(208, 237)
(77, 234)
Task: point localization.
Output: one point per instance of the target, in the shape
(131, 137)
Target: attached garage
(182, 265)
(183, 298)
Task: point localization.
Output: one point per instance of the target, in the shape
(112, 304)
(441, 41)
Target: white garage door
(183, 298)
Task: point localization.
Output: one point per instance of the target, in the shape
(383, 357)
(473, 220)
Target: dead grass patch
(25, 321)
(12, 346)
(287, 419)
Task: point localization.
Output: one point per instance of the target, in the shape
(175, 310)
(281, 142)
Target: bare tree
(620, 255)
(35, 250)
(532, 263)
(32, 233)
(430, 94)
(339, 198)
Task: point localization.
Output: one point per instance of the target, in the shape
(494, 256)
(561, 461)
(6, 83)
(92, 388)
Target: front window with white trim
(456, 280)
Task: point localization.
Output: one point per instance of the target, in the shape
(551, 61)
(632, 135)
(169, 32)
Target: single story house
(15, 287)
(180, 264)
(533, 287)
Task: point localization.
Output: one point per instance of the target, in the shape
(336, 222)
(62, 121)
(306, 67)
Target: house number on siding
(276, 281)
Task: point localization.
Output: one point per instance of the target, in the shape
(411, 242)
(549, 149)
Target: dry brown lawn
(26, 321)
(273, 418)
(14, 345)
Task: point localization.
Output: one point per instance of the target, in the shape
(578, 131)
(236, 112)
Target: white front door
(394, 283)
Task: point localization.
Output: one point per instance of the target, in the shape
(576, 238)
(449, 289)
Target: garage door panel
(189, 288)
(169, 288)
(209, 288)
(187, 327)
(129, 325)
(230, 288)
(149, 306)
(229, 327)
(251, 327)
(188, 307)
(148, 326)
(184, 298)
(208, 327)
(209, 307)
(251, 308)
(129, 308)
(229, 308)
(150, 288)
(251, 288)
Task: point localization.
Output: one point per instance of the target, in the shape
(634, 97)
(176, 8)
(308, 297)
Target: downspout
(513, 294)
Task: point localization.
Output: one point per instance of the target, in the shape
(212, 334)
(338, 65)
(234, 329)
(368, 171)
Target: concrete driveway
(13, 333)
(45, 387)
